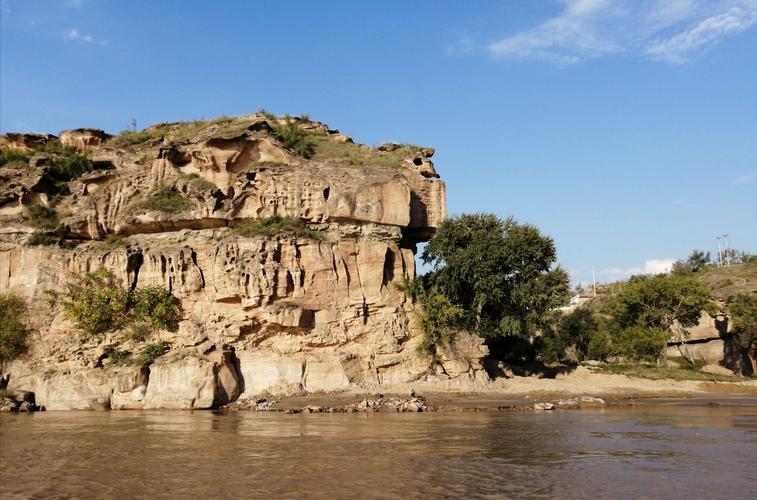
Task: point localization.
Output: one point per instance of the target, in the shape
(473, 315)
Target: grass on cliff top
(325, 148)
(164, 199)
(274, 226)
(172, 133)
(674, 371)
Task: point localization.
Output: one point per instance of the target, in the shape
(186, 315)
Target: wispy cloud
(652, 266)
(746, 178)
(74, 4)
(673, 31)
(75, 35)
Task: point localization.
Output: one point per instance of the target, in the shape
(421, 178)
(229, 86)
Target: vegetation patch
(274, 226)
(13, 329)
(198, 183)
(153, 352)
(98, 303)
(325, 148)
(164, 199)
(656, 372)
(293, 137)
(41, 217)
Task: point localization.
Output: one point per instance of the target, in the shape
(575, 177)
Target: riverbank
(579, 389)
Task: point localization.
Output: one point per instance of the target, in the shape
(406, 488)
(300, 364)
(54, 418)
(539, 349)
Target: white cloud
(746, 178)
(652, 266)
(73, 34)
(673, 31)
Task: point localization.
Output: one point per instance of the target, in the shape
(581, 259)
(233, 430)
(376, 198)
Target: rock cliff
(317, 310)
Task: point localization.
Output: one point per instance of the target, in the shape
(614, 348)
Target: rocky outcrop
(84, 139)
(286, 313)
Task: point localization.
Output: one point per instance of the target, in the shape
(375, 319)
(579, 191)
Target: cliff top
(87, 184)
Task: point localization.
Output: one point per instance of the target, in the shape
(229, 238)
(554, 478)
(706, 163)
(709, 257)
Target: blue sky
(625, 129)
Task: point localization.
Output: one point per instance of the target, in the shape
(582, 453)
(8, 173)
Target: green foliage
(640, 343)
(41, 217)
(131, 137)
(293, 137)
(112, 241)
(118, 356)
(97, 303)
(46, 238)
(600, 346)
(438, 319)
(653, 372)
(13, 330)
(198, 183)
(9, 155)
(164, 199)
(657, 302)
(274, 226)
(156, 306)
(499, 272)
(575, 329)
(152, 352)
(743, 309)
(138, 331)
(325, 148)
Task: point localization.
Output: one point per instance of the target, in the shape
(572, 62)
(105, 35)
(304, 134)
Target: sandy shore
(581, 386)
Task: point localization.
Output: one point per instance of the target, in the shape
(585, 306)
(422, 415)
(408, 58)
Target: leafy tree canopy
(500, 272)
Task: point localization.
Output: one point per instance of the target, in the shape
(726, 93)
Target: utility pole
(727, 251)
(720, 255)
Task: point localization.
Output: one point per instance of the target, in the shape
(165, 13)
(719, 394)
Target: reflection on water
(661, 451)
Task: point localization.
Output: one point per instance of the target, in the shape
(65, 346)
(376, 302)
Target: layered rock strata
(278, 314)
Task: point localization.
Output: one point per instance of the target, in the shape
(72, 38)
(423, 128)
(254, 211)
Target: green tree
(743, 309)
(661, 302)
(13, 330)
(501, 273)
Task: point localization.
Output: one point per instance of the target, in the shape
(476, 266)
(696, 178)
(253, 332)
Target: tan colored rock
(27, 141)
(84, 139)
(185, 384)
(325, 376)
(83, 390)
(264, 372)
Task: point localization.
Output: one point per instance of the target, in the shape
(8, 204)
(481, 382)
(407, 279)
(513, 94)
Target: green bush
(293, 137)
(156, 306)
(41, 217)
(138, 331)
(97, 303)
(743, 309)
(152, 352)
(164, 199)
(438, 319)
(13, 330)
(45, 238)
(600, 346)
(640, 343)
(9, 155)
(118, 356)
(274, 226)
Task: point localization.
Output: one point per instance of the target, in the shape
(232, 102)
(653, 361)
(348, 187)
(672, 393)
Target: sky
(624, 129)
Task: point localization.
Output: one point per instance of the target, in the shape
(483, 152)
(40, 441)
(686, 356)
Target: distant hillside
(727, 281)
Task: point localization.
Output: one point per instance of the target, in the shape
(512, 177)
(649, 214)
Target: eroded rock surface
(280, 314)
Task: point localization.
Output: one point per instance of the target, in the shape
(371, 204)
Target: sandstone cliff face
(280, 314)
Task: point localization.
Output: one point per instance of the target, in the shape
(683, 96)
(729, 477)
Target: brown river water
(647, 451)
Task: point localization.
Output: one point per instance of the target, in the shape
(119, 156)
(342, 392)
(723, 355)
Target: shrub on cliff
(13, 330)
(293, 137)
(98, 303)
(274, 226)
(152, 352)
(439, 319)
(499, 272)
(41, 217)
(164, 199)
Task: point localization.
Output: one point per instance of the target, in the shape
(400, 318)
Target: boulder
(325, 376)
(80, 390)
(188, 383)
(272, 373)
